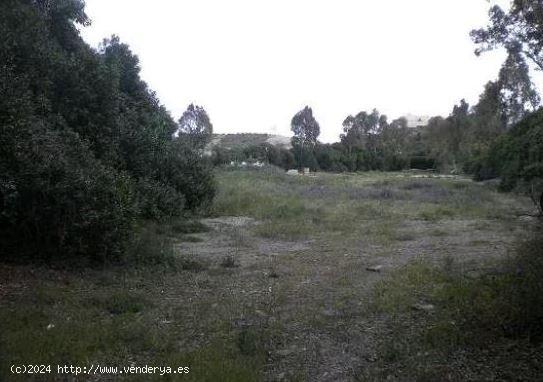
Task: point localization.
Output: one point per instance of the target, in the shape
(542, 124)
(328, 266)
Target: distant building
(416, 121)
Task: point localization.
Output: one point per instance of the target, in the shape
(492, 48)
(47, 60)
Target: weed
(229, 261)
(240, 239)
(191, 239)
(188, 226)
(123, 302)
(191, 263)
(405, 236)
(150, 248)
(249, 341)
(494, 311)
(436, 213)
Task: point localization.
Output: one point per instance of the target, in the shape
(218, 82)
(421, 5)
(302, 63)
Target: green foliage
(518, 30)
(421, 162)
(58, 200)
(368, 142)
(517, 157)
(122, 302)
(499, 311)
(305, 127)
(195, 126)
(149, 246)
(264, 153)
(86, 148)
(517, 90)
(508, 100)
(157, 200)
(524, 297)
(189, 173)
(188, 226)
(306, 131)
(115, 317)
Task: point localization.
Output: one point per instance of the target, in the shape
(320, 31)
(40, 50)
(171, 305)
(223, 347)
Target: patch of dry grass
(287, 295)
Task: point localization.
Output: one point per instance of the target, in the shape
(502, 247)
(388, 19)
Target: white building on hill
(416, 121)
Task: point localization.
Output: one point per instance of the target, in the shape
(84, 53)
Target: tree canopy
(520, 30)
(306, 131)
(86, 148)
(195, 126)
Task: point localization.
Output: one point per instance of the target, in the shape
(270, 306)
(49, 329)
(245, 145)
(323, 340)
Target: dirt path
(316, 295)
(284, 290)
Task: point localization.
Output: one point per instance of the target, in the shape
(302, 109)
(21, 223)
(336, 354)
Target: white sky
(253, 64)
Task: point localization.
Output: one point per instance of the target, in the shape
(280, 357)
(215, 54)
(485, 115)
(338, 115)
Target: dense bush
(58, 200)
(421, 162)
(523, 305)
(516, 157)
(86, 149)
(190, 174)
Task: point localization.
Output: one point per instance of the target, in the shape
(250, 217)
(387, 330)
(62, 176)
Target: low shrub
(148, 247)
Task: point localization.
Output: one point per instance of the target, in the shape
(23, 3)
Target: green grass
(303, 207)
(113, 320)
(496, 312)
(191, 263)
(186, 226)
(191, 239)
(168, 308)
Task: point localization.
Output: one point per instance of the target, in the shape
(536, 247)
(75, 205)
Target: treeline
(263, 153)
(497, 137)
(455, 144)
(86, 148)
(517, 158)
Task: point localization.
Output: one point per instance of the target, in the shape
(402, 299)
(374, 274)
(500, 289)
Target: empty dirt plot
(325, 278)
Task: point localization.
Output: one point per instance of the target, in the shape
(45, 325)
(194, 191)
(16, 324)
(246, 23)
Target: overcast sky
(253, 63)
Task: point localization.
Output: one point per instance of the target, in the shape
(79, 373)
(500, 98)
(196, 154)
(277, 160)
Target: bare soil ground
(318, 293)
(281, 283)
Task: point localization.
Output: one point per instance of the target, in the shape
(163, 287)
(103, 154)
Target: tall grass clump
(438, 315)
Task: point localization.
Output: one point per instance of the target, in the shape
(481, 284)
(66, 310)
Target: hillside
(230, 141)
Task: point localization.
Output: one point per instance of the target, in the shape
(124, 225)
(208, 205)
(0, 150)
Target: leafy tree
(196, 126)
(331, 157)
(189, 173)
(86, 149)
(357, 129)
(361, 138)
(490, 115)
(517, 157)
(306, 130)
(517, 90)
(446, 138)
(393, 145)
(519, 30)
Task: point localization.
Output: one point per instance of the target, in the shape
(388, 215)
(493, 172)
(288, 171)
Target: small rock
(329, 313)
(241, 323)
(376, 268)
(424, 307)
(50, 326)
